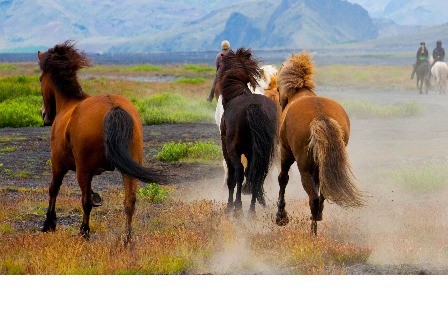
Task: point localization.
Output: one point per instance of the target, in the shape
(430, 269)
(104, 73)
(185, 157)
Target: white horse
(439, 72)
(263, 83)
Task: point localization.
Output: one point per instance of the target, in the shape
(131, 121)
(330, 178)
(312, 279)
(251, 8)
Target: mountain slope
(137, 26)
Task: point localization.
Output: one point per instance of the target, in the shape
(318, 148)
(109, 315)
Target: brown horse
(89, 135)
(313, 131)
(248, 127)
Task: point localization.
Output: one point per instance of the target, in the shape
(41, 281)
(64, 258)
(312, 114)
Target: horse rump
(118, 133)
(263, 132)
(327, 149)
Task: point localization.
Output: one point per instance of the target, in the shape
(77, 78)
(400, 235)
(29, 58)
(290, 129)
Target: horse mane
(296, 73)
(63, 62)
(239, 70)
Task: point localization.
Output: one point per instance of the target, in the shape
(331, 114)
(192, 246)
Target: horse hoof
(317, 219)
(97, 200)
(282, 218)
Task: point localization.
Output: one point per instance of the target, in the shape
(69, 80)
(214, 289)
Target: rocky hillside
(137, 26)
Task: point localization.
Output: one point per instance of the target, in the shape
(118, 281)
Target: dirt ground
(407, 231)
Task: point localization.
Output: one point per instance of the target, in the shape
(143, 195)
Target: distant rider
(422, 56)
(438, 54)
(225, 46)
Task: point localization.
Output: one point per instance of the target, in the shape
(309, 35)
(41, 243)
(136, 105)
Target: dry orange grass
(171, 238)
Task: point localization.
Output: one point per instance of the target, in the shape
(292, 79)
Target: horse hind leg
(85, 183)
(130, 189)
(53, 190)
(311, 188)
(283, 179)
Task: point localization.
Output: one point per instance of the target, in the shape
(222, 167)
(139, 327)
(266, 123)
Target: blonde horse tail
(336, 178)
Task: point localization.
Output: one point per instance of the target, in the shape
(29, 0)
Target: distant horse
(263, 83)
(248, 127)
(313, 131)
(422, 72)
(89, 135)
(439, 72)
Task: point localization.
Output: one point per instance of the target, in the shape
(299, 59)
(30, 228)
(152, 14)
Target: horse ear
(39, 54)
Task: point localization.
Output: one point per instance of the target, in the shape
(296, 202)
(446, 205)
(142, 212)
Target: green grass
(8, 67)
(8, 149)
(153, 193)
(171, 108)
(18, 86)
(198, 68)
(364, 109)
(21, 112)
(173, 152)
(135, 68)
(190, 80)
(425, 178)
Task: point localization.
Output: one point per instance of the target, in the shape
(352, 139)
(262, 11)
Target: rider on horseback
(438, 54)
(225, 45)
(422, 56)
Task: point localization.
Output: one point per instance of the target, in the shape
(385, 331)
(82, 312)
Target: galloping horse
(89, 135)
(439, 71)
(263, 83)
(422, 71)
(248, 127)
(313, 131)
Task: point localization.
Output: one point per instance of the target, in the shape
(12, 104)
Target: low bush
(170, 108)
(153, 193)
(173, 152)
(21, 112)
(18, 86)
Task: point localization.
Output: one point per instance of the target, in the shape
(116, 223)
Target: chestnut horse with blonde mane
(89, 135)
(313, 131)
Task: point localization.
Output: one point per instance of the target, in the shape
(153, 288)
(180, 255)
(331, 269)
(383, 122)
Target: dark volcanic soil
(32, 153)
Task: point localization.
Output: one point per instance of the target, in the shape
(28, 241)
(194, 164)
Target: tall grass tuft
(18, 86)
(425, 178)
(170, 108)
(364, 109)
(173, 152)
(21, 112)
(153, 193)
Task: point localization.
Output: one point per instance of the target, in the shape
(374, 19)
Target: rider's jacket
(422, 55)
(438, 54)
(218, 60)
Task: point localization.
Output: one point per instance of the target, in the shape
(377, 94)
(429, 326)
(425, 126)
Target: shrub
(173, 109)
(153, 193)
(18, 86)
(21, 112)
(173, 152)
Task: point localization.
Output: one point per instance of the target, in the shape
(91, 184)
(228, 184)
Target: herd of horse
(262, 114)
(439, 73)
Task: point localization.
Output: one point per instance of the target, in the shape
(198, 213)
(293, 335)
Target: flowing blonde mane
(296, 73)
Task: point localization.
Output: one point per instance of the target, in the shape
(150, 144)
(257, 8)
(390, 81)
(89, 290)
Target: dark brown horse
(422, 72)
(248, 127)
(89, 135)
(313, 131)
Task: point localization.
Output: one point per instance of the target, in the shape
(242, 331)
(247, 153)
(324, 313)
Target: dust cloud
(400, 226)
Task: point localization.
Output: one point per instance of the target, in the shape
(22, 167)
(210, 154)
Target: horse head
(294, 75)
(59, 66)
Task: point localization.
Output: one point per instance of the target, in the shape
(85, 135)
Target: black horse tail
(263, 131)
(118, 134)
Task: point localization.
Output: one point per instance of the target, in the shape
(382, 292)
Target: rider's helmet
(225, 45)
(422, 43)
(439, 43)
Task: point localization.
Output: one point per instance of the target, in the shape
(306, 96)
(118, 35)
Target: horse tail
(263, 131)
(327, 148)
(118, 134)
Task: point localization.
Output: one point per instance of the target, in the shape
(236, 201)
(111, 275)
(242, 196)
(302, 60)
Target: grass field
(171, 236)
